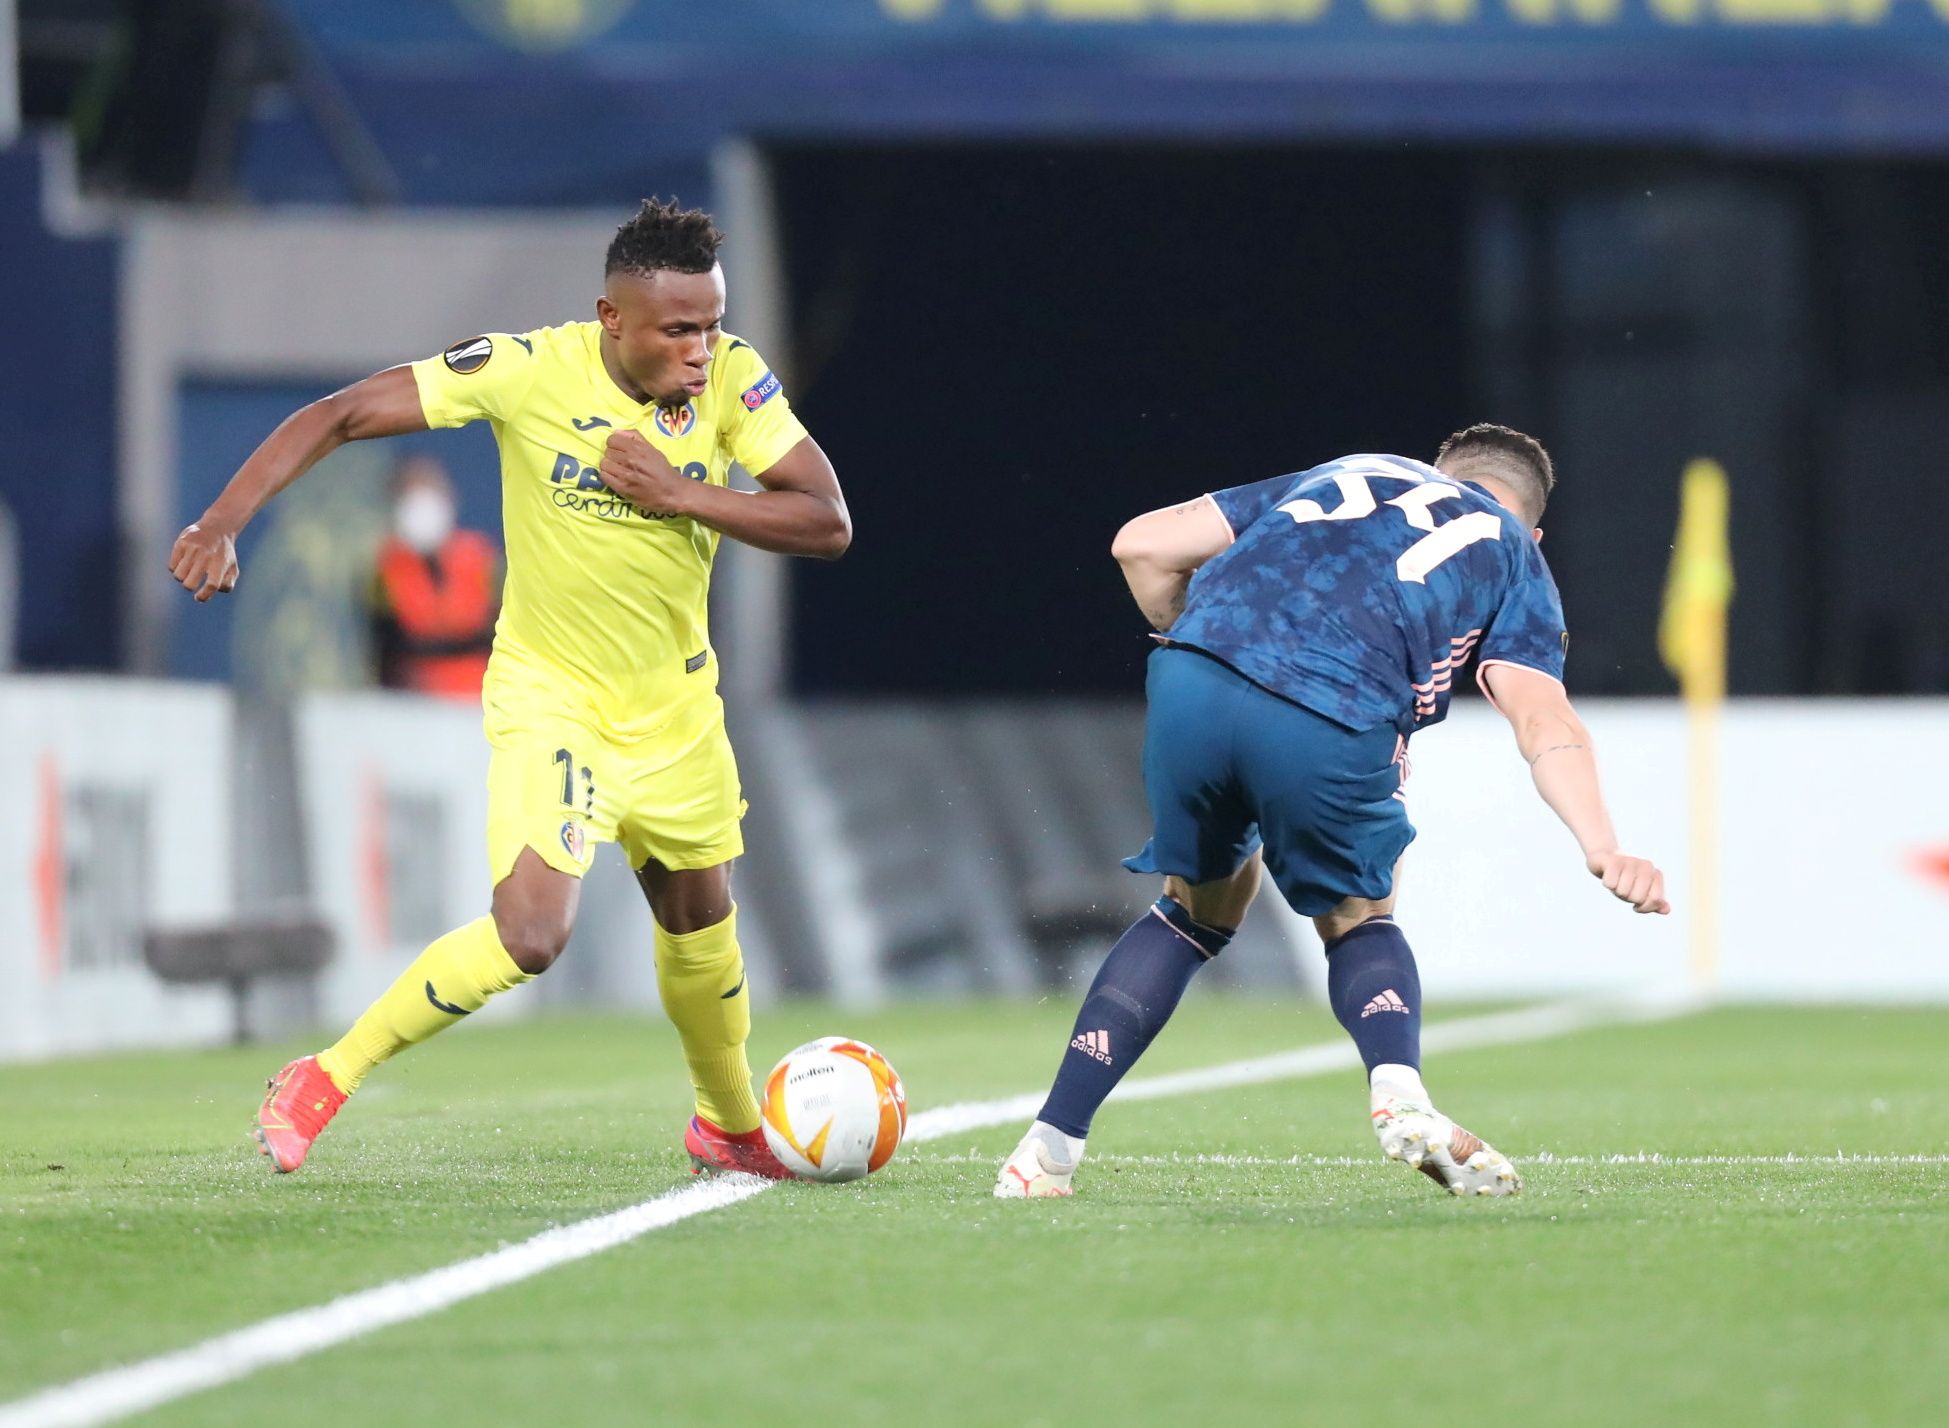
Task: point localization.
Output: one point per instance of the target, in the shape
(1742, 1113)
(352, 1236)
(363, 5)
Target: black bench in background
(238, 952)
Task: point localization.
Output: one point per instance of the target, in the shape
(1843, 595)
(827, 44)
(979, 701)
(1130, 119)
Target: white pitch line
(1496, 1029)
(133, 1388)
(1841, 1160)
(119, 1392)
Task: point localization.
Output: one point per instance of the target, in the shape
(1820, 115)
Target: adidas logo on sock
(1387, 1001)
(1097, 1044)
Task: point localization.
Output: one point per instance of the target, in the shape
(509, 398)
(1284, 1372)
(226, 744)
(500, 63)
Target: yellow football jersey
(599, 591)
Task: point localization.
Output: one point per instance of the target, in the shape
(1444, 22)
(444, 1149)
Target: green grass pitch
(1238, 1256)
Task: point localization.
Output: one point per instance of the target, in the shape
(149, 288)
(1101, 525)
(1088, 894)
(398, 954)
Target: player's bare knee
(684, 921)
(1222, 902)
(532, 943)
(1350, 914)
(686, 900)
(534, 936)
(534, 912)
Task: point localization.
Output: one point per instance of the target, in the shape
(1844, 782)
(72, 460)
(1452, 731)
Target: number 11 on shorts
(567, 761)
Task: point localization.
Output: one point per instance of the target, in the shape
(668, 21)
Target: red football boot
(713, 1150)
(301, 1103)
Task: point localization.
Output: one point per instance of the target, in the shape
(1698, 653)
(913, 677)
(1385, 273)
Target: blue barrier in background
(57, 427)
(597, 101)
(454, 26)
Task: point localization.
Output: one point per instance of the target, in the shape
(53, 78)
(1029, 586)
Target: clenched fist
(638, 472)
(1633, 880)
(204, 560)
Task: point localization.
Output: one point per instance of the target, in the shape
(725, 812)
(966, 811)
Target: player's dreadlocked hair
(662, 235)
(1506, 455)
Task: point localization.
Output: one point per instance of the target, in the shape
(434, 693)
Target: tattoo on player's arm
(1553, 749)
(1162, 610)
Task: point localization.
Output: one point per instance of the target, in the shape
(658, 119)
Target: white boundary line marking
(1840, 1160)
(149, 1383)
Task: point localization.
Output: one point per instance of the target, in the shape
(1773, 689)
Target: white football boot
(1035, 1170)
(1419, 1136)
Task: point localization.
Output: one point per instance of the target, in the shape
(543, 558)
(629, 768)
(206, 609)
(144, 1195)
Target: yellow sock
(455, 975)
(701, 978)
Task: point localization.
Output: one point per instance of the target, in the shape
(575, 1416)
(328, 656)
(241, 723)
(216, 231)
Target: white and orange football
(834, 1110)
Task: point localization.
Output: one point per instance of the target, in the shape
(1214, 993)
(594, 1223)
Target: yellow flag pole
(1692, 639)
(1702, 721)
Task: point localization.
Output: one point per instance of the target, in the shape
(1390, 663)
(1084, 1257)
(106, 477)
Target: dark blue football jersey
(1360, 587)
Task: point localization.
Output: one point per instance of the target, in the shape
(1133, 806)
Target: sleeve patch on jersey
(761, 391)
(470, 356)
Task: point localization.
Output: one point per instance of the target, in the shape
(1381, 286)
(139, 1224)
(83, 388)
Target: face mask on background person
(423, 519)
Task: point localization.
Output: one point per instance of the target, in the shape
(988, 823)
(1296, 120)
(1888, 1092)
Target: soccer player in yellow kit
(603, 718)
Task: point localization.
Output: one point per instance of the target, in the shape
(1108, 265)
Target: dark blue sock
(1133, 995)
(1376, 992)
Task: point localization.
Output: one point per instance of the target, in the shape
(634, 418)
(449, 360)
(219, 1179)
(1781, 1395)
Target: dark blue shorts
(1228, 764)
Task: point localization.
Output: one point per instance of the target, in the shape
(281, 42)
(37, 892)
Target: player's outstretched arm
(204, 558)
(1161, 550)
(801, 511)
(1557, 748)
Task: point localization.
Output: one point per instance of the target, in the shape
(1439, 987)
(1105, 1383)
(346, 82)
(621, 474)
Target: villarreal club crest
(676, 422)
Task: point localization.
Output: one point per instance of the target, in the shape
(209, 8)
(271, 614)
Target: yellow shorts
(557, 783)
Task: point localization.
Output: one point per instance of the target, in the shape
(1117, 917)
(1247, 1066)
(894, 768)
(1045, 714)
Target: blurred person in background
(616, 439)
(436, 590)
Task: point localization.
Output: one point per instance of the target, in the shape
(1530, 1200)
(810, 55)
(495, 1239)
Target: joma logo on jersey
(676, 423)
(570, 472)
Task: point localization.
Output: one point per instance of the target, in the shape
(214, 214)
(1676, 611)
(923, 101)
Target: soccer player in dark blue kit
(1311, 623)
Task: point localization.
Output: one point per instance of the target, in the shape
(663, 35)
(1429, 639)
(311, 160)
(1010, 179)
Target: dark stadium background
(1012, 341)
(1050, 340)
